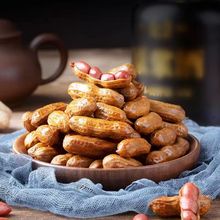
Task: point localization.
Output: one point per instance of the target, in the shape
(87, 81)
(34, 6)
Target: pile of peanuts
(108, 124)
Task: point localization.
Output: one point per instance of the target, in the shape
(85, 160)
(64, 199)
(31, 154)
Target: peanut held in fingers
(162, 137)
(168, 112)
(81, 106)
(59, 120)
(116, 161)
(47, 134)
(79, 161)
(149, 123)
(133, 147)
(137, 107)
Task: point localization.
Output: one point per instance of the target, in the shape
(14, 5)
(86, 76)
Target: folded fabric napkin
(38, 189)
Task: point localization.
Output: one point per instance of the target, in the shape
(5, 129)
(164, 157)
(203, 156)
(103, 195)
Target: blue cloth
(38, 189)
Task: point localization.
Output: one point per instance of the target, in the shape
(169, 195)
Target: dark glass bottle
(177, 55)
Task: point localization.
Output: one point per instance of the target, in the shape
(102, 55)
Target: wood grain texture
(45, 94)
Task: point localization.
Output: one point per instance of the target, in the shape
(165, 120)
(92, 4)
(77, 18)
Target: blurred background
(174, 44)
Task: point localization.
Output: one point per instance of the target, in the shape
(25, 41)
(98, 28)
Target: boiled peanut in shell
(137, 107)
(108, 96)
(96, 164)
(130, 92)
(168, 112)
(116, 161)
(149, 123)
(110, 113)
(180, 128)
(26, 119)
(47, 134)
(102, 128)
(169, 152)
(61, 159)
(85, 106)
(79, 161)
(30, 139)
(40, 115)
(133, 147)
(59, 120)
(42, 152)
(88, 146)
(162, 137)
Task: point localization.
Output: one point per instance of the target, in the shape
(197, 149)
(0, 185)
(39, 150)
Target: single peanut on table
(108, 96)
(40, 115)
(168, 112)
(101, 128)
(96, 164)
(162, 137)
(88, 146)
(85, 106)
(137, 107)
(133, 147)
(47, 134)
(116, 161)
(149, 123)
(30, 139)
(79, 161)
(61, 159)
(169, 152)
(109, 112)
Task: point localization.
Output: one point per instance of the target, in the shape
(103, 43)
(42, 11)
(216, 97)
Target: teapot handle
(51, 39)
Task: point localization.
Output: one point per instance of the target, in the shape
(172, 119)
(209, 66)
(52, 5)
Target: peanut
(61, 159)
(133, 147)
(110, 113)
(5, 209)
(47, 134)
(116, 161)
(108, 96)
(162, 137)
(26, 119)
(169, 152)
(30, 139)
(165, 206)
(96, 164)
(40, 115)
(180, 128)
(59, 120)
(42, 152)
(79, 161)
(81, 107)
(137, 107)
(87, 146)
(102, 128)
(130, 92)
(168, 112)
(149, 123)
(139, 86)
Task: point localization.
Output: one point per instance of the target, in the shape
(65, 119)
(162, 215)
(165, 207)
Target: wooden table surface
(56, 91)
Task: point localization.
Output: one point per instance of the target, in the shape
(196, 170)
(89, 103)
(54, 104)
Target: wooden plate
(113, 179)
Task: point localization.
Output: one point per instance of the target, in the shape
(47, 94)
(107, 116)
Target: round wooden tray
(113, 179)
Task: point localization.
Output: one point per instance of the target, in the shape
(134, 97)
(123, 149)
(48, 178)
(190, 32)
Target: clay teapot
(20, 70)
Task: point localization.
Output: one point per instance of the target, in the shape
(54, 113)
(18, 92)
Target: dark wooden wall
(80, 23)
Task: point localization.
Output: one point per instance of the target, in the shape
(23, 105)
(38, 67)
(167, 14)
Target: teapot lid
(8, 29)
